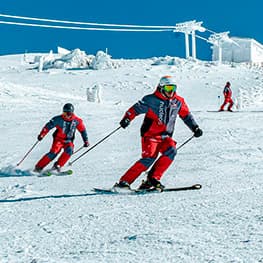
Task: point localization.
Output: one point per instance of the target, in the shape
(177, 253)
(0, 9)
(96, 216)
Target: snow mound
(102, 61)
(75, 59)
(168, 61)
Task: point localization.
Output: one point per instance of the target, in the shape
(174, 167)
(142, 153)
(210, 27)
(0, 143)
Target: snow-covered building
(240, 50)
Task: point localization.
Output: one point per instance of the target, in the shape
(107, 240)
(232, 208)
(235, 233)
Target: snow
(75, 59)
(60, 219)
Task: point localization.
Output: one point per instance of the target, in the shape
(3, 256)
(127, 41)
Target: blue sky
(241, 18)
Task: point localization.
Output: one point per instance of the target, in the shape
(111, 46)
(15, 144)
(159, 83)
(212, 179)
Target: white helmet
(167, 80)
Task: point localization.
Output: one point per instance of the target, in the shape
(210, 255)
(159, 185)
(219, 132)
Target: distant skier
(63, 137)
(161, 109)
(228, 98)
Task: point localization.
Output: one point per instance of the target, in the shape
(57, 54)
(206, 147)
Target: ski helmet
(167, 86)
(68, 107)
(167, 80)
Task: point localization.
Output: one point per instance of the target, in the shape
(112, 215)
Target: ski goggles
(169, 88)
(67, 114)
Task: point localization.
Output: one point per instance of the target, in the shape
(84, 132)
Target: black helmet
(68, 107)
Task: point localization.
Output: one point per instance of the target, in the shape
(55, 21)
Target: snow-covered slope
(59, 219)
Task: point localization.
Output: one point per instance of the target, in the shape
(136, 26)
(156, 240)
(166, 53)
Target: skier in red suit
(66, 125)
(228, 98)
(161, 109)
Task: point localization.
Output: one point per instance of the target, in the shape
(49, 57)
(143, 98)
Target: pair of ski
(115, 190)
(51, 172)
(221, 111)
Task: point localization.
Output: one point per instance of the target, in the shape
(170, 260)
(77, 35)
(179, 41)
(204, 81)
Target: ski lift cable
(85, 28)
(202, 38)
(211, 31)
(92, 24)
(83, 23)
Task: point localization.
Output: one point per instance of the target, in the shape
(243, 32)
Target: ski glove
(40, 137)
(86, 144)
(125, 123)
(198, 132)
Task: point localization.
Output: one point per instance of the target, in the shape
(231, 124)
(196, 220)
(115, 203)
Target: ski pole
(78, 149)
(70, 163)
(218, 101)
(188, 140)
(30, 150)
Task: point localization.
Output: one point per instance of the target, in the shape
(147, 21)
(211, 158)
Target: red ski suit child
(228, 97)
(156, 133)
(63, 138)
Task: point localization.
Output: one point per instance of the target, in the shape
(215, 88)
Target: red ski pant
(226, 101)
(56, 147)
(151, 147)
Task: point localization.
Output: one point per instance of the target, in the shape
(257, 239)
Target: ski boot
(151, 184)
(156, 184)
(56, 167)
(37, 169)
(145, 185)
(122, 185)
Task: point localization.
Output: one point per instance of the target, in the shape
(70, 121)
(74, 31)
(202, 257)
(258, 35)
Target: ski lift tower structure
(218, 39)
(188, 28)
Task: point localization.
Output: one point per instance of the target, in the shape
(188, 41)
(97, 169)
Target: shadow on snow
(24, 199)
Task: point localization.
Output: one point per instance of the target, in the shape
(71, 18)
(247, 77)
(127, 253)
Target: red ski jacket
(160, 114)
(65, 128)
(227, 92)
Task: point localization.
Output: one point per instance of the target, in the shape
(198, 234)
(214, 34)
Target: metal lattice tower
(218, 39)
(189, 28)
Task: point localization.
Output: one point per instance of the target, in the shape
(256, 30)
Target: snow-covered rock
(102, 61)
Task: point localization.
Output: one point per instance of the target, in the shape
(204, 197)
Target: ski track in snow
(59, 219)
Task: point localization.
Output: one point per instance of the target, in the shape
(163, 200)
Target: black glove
(40, 137)
(198, 132)
(124, 122)
(86, 144)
